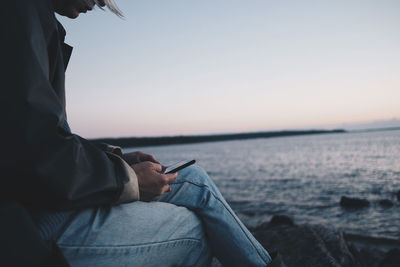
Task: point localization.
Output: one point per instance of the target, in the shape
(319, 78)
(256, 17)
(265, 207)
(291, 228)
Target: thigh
(135, 234)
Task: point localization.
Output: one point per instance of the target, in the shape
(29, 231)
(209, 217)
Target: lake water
(304, 177)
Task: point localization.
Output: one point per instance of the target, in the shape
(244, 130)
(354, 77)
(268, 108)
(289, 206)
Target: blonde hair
(111, 6)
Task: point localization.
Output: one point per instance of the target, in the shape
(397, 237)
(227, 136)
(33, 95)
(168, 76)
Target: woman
(97, 206)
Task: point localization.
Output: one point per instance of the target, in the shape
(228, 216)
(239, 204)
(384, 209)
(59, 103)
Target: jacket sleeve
(41, 164)
(131, 187)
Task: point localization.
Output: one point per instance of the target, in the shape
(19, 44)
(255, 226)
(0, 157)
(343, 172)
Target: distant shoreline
(374, 130)
(190, 139)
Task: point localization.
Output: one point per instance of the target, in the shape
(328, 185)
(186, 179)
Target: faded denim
(184, 227)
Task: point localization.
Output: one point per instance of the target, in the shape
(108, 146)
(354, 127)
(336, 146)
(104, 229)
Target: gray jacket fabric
(42, 164)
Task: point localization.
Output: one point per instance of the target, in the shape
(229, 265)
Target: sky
(175, 67)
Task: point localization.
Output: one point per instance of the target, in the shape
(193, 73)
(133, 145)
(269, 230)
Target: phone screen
(179, 166)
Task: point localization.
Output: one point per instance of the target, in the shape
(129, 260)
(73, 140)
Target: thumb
(171, 177)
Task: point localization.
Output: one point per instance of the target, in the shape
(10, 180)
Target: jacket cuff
(110, 149)
(130, 192)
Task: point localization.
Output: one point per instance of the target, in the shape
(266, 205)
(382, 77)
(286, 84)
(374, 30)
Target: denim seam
(136, 245)
(204, 185)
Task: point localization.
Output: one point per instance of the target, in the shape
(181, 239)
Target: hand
(137, 157)
(152, 182)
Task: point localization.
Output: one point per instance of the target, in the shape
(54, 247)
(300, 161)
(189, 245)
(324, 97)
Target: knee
(192, 229)
(190, 225)
(193, 224)
(194, 174)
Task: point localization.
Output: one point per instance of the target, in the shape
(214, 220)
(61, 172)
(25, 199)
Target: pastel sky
(176, 67)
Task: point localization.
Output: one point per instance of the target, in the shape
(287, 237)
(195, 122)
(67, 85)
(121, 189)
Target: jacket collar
(65, 48)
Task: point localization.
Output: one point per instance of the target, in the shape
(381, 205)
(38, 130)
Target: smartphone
(179, 166)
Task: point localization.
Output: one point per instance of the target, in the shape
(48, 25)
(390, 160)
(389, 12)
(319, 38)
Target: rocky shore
(315, 245)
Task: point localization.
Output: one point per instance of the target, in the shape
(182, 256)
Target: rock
(215, 263)
(277, 220)
(249, 213)
(370, 251)
(367, 257)
(277, 261)
(306, 245)
(349, 202)
(391, 259)
(385, 203)
(281, 219)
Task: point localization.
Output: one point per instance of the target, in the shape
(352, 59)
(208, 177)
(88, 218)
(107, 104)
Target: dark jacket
(43, 165)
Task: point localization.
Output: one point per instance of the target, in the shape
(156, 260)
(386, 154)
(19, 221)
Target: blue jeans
(184, 227)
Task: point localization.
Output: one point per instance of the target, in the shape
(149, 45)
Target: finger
(163, 168)
(147, 157)
(165, 189)
(153, 159)
(156, 166)
(171, 177)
